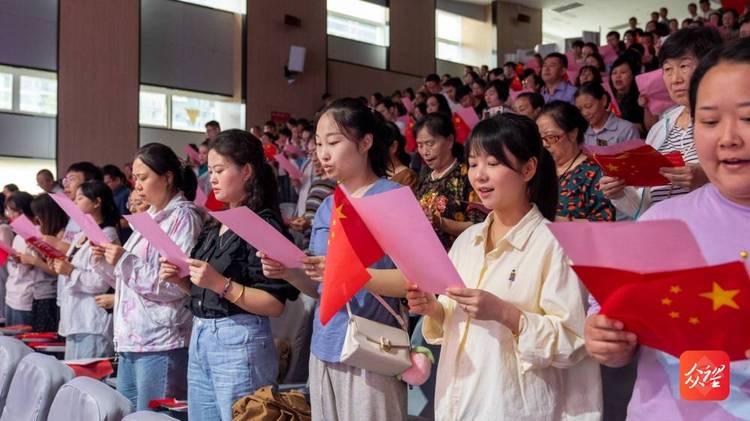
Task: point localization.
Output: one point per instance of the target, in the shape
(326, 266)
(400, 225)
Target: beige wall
(98, 81)
(512, 34)
(268, 42)
(412, 30)
(345, 79)
(476, 36)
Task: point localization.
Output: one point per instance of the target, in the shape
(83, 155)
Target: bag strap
(387, 306)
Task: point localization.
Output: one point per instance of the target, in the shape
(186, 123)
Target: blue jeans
(230, 358)
(17, 317)
(145, 376)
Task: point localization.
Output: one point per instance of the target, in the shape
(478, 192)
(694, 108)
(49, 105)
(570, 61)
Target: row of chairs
(38, 387)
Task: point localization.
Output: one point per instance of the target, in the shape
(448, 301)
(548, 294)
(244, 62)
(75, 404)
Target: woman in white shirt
(87, 328)
(512, 340)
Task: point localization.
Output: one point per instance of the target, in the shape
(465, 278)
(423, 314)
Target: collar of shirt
(609, 125)
(517, 237)
(561, 87)
(177, 201)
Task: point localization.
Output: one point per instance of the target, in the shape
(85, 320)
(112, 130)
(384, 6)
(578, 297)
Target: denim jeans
(17, 317)
(145, 376)
(230, 358)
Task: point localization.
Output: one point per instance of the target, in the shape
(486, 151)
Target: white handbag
(375, 346)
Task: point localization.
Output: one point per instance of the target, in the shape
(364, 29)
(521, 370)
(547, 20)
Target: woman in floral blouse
(444, 191)
(562, 126)
(151, 320)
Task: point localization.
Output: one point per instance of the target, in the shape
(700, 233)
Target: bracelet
(226, 288)
(239, 296)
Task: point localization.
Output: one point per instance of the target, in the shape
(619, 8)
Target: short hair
(577, 43)
(387, 103)
(11, 187)
(113, 171)
(214, 124)
(694, 41)
(46, 173)
(453, 82)
(52, 219)
(593, 89)
(285, 132)
(502, 88)
(432, 77)
(535, 99)
(613, 34)
(270, 123)
(704, 1)
(462, 91)
(563, 59)
(510, 64)
(592, 45)
(89, 170)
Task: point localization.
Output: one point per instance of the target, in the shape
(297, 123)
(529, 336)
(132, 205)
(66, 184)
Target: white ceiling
(596, 15)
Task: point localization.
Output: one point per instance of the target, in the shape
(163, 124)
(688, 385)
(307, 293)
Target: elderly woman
(562, 128)
(679, 56)
(444, 191)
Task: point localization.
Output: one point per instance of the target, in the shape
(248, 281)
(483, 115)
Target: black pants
(45, 315)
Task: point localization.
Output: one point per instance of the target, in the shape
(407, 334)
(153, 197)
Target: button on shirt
(485, 373)
(615, 130)
(564, 91)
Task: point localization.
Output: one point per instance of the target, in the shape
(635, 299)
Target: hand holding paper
(258, 233)
(86, 222)
(652, 277)
(651, 85)
(634, 161)
(288, 166)
(33, 237)
(193, 156)
(151, 231)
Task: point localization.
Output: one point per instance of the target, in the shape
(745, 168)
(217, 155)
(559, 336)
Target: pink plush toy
(421, 366)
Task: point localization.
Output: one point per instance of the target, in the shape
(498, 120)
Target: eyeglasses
(551, 139)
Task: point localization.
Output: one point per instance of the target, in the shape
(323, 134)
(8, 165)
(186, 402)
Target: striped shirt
(680, 140)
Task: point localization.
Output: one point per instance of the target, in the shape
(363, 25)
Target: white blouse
(484, 371)
(78, 310)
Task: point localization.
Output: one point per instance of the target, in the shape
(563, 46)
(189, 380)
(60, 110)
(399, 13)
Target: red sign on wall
(280, 117)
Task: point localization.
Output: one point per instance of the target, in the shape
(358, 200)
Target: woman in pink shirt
(718, 215)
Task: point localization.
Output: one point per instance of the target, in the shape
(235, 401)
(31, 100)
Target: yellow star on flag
(666, 301)
(613, 167)
(340, 212)
(694, 321)
(674, 315)
(722, 297)
(675, 289)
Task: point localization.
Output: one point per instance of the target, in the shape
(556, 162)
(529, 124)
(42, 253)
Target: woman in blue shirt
(350, 143)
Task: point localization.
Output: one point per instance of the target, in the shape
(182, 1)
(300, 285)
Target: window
(448, 36)
(38, 95)
(153, 109)
(6, 91)
(464, 40)
(358, 20)
(191, 113)
(234, 6)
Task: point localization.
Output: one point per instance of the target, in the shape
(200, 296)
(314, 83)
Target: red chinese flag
(351, 250)
(705, 308)
(3, 257)
(638, 166)
(462, 129)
